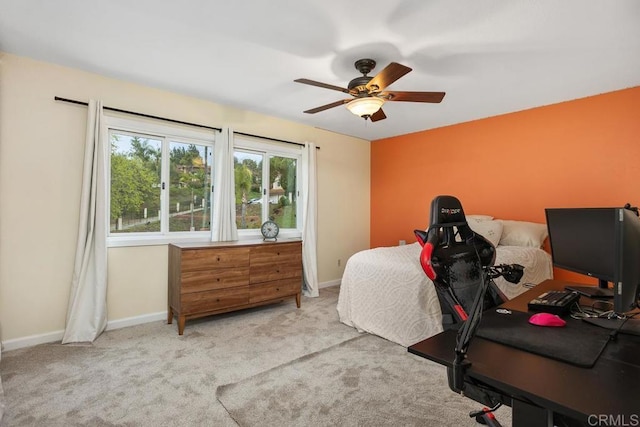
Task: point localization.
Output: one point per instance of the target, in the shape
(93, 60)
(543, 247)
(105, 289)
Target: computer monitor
(603, 243)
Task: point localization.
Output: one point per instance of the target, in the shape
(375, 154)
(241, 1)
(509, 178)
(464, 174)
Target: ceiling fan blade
(433, 97)
(326, 107)
(323, 85)
(378, 115)
(388, 75)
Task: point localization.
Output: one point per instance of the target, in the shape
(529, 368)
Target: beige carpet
(148, 375)
(365, 381)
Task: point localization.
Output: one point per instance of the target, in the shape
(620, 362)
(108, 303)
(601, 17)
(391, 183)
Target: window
(190, 186)
(248, 173)
(282, 192)
(135, 183)
(160, 182)
(266, 185)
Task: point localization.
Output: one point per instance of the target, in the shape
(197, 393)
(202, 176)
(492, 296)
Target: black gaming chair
(460, 264)
(455, 258)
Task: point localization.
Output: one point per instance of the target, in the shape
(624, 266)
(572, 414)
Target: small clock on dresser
(269, 230)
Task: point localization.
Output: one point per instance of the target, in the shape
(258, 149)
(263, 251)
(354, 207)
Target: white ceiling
(490, 56)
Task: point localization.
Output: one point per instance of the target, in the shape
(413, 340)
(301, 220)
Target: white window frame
(257, 145)
(168, 134)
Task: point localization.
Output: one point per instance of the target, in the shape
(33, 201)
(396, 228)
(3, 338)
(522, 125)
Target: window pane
(248, 185)
(135, 184)
(282, 191)
(189, 187)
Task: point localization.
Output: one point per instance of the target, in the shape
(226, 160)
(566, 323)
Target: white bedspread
(384, 291)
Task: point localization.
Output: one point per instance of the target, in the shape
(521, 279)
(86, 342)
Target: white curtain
(309, 220)
(223, 227)
(87, 311)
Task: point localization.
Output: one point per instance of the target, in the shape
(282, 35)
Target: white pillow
(522, 233)
(479, 217)
(490, 230)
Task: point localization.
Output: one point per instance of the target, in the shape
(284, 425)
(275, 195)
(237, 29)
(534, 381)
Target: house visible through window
(266, 185)
(190, 186)
(160, 183)
(282, 192)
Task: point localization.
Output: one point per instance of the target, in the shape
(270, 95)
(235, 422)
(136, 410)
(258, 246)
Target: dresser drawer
(214, 278)
(199, 302)
(203, 259)
(274, 254)
(270, 272)
(274, 290)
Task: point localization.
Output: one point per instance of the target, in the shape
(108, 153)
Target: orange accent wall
(584, 152)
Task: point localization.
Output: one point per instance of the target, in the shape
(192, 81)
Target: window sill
(243, 235)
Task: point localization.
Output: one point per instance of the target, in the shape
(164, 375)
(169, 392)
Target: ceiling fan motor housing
(359, 83)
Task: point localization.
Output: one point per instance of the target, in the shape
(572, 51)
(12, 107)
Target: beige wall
(41, 152)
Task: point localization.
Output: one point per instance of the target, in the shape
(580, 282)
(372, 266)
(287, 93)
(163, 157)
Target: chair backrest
(454, 258)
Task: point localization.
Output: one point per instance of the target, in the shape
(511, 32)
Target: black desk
(610, 390)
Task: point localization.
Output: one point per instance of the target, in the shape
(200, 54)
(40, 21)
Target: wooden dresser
(218, 277)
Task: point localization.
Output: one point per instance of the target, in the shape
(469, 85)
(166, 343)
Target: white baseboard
(136, 320)
(329, 283)
(50, 337)
(32, 340)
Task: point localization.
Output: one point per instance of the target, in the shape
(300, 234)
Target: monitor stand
(602, 291)
(591, 291)
(629, 326)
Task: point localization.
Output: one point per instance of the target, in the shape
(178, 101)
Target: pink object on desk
(546, 319)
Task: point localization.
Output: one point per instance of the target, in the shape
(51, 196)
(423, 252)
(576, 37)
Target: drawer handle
(218, 279)
(277, 271)
(278, 253)
(278, 289)
(217, 299)
(218, 258)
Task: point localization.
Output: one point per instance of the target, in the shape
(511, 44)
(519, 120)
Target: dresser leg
(181, 321)
(170, 315)
(298, 299)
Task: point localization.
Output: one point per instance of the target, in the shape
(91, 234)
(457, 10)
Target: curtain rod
(272, 139)
(149, 116)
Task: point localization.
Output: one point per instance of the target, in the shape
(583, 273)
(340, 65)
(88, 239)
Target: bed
(385, 292)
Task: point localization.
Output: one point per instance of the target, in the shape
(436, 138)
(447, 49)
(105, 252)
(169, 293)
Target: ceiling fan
(369, 92)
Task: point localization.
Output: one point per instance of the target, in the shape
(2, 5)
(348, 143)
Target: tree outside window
(282, 191)
(189, 189)
(137, 204)
(135, 184)
(256, 203)
(248, 186)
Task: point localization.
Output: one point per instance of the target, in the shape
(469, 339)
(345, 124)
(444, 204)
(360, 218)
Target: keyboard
(554, 302)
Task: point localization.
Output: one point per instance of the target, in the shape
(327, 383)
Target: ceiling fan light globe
(364, 107)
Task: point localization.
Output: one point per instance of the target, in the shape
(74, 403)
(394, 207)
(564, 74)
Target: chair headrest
(446, 210)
